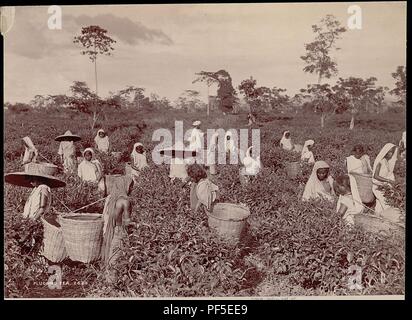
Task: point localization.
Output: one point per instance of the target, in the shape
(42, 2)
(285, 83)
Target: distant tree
(82, 98)
(318, 58)
(38, 101)
(95, 41)
(354, 94)
(209, 81)
(133, 95)
(226, 94)
(321, 98)
(400, 85)
(19, 107)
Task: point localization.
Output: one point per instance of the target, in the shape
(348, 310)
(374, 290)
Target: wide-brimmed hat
(24, 179)
(68, 136)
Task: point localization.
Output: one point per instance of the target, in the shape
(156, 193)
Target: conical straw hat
(68, 136)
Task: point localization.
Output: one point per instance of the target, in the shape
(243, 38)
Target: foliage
(400, 85)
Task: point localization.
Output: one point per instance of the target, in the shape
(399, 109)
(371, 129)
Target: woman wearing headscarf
(349, 203)
(211, 153)
(358, 161)
(203, 192)
(89, 170)
(30, 151)
(307, 154)
(286, 141)
(196, 137)
(116, 216)
(251, 166)
(102, 141)
(67, 152)
(138, 159)
(230, 146)
(320, 183)
(383, 174)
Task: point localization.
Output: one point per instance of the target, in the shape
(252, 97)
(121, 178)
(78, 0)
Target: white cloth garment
(353, 205)
(139, 160)
(314, 187)
(34, 201)
(211, 150)
(68, 151)
(30, 151)
(286, 143)
(306, 154)
(252, 166)
(90, 171)
(386, 171)
(229, 143)
(196, 138)
(102, 144)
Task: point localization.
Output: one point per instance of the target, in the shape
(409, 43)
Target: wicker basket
(83, 236)
(41, 168)
(53, 244)
(292, 169)
(228, 220)
(376, 224)
(364, 183)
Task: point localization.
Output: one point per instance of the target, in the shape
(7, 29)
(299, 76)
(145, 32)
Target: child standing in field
(383, 174)
(320, 183)
(307, 154)
(348, 204)
(138, 160)
(203, 192)
(30, 151)
(286, 141)
(116, 217)
(67, 151)
(89, 170)
(102, 141)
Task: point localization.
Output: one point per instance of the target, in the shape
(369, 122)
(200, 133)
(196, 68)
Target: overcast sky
(161, 47)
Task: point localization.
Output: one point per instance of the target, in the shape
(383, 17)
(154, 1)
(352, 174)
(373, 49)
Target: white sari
(286, 143)
(314, 188)
(386, 171)
(306, 154)
(102, 143)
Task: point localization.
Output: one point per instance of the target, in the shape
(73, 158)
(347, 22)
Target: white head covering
(286, 143)
(391, 162)
(252, 166)
(314, 187)
(139, 159)
(196, 123)
(88, 149)
(102, 143)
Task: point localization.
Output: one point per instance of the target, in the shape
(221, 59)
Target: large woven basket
(292, 169)
(83, 236)
(53, 244)
(41, 168)
(376, 224)
(364, 183)
(228, 220)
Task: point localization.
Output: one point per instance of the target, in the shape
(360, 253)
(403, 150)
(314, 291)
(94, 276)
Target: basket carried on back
(364, 183)
(376, 224)
(53, 244)
(41, 168)
(228, 220)
(292, 169)
(83, 236)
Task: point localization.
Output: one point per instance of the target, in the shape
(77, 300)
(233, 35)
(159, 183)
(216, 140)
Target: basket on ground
(376, 224)
(292, 169)
(228, 220)
(83, 236)
(364, 183)
(41, 168)
(53, 244)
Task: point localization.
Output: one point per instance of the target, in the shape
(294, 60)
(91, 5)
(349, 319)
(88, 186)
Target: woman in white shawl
(251, 166)
(30, 151)
(138, 159)
(383, 174)
(89, 170)
(307, 154)
(230, 146)
(196, 137)
(320, 183)
(286, 141)
(67, 152)
(102, 141)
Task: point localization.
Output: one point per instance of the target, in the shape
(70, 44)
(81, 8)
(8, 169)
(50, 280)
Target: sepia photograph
(252, 151)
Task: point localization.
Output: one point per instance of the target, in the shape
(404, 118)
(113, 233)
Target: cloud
(128, 31)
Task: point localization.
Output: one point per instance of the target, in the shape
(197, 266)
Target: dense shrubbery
(289, 247)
